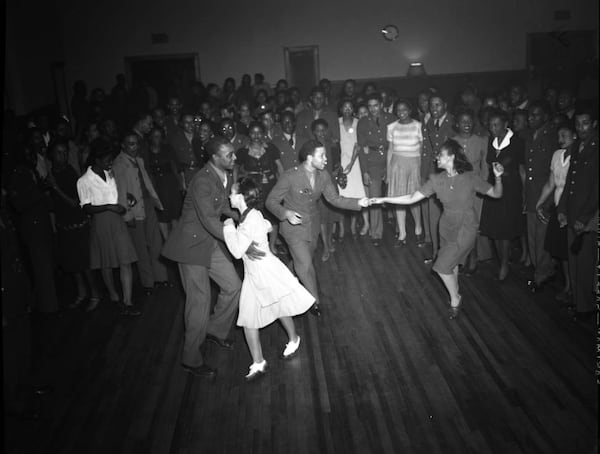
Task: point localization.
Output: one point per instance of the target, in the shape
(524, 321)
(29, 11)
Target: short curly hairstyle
(251, 192)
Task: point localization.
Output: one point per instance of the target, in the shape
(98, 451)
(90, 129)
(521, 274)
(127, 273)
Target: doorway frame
(286, 59)
(162, 57)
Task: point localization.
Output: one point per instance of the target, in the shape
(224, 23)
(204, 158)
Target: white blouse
(95, 191)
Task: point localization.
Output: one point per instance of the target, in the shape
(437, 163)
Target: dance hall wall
(237, 36)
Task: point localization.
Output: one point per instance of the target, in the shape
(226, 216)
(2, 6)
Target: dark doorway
(169, 75)
(302, 67)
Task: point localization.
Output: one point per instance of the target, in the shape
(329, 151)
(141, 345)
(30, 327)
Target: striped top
(406, 139)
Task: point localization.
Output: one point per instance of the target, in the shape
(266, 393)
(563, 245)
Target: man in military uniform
(436, 131)
(28, 196)
(185, 150)
(287, 141)
(541, 141)
(294, 199)
(197, 245)
(228, 129)
(371, 135)
(315, 111)
(578, 209)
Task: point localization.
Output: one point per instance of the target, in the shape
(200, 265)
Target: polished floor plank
(382, 371)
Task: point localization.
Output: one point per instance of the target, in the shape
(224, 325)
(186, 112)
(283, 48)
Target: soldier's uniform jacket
(293, 192)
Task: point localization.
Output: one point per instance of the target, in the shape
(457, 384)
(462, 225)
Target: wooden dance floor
(382, 371)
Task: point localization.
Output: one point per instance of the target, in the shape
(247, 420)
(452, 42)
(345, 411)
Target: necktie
(377, 121)
(311, 179)
(437, 125)
(291, 141)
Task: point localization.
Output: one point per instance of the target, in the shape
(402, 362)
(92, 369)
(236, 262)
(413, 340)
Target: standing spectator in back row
(313, 112)
(28, 195)
(287, 141)
(438, 129)
(578, 209)
(137, 194)
(540, 143)
(372, 139)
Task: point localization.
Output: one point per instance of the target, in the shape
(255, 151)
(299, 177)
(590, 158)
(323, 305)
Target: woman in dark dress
(163, 171)
(261, 162)
(456, 188)
(502, 219)
(72, 226)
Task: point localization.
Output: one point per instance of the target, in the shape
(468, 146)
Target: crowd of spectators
(102, 188)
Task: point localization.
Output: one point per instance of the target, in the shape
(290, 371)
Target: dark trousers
(147, 241)
(197, 318)
(375, 189)
(582, 269)
(39, 249)
(540, 258)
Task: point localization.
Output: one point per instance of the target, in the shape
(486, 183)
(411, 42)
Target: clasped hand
(498, 169)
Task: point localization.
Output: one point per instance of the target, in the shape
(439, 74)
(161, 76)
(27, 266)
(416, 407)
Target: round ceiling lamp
(390, 32)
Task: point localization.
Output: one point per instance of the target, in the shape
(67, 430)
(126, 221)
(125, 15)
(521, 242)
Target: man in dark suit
(197, 245)
(436, 131)
(294, 200)
(578, 209)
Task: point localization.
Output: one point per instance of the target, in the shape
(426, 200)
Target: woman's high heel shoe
(454, 310)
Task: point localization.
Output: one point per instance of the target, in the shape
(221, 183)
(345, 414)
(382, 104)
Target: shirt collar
(505, 142)
(220, 173)
(442, 118)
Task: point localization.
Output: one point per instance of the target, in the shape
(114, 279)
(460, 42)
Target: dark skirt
(556, 242)
(503, 219)
(110, 243)
(167, 189)
(458, 232)
(73, 248)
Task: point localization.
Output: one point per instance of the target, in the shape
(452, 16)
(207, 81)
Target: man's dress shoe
(227, 344)
(202, 371)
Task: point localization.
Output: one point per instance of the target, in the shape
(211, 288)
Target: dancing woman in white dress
(269, 290)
